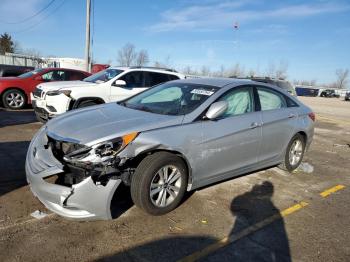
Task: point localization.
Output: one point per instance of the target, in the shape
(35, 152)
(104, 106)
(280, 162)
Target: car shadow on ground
(10, 118)
(12, 161)
(121, 201)
(267, 244)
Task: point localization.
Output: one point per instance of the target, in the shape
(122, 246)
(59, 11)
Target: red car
(15, 91)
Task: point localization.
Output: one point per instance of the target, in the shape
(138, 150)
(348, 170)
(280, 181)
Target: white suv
(112, 84)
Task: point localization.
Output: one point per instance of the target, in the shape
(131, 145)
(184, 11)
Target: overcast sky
(312, 36)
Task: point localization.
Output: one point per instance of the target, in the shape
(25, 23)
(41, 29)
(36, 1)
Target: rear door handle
(291, 115)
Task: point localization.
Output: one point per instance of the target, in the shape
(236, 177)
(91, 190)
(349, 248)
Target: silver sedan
(172, 138)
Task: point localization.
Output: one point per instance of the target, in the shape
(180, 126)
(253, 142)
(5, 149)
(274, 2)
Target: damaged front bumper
(84, 200)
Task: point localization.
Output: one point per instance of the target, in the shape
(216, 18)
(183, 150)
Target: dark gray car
(172, 138)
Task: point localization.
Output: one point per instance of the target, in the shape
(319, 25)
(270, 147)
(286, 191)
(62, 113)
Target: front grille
(37, 92)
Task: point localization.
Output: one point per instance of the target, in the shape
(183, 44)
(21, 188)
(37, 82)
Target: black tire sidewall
(287, 164)
(87, 103)
(143, 186)
(7, 92)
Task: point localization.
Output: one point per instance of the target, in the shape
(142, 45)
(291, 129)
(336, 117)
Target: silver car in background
(172, 138)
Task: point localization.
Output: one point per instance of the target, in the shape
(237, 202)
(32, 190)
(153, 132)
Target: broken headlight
(111, 148)
(101, 153)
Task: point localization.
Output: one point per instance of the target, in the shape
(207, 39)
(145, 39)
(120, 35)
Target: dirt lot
(266, 216)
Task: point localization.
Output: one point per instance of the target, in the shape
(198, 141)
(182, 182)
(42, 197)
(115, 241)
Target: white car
(112, 84)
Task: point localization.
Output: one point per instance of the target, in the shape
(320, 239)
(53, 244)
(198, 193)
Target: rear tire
(294, 153)
(14, 99)
(159, 183)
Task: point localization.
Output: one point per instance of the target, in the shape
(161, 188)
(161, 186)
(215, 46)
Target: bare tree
(205, 71)
(127, 55)
(281, 70)
(342, 78)
(221, 71)
(166, 63)
(251, 73)
(158, 64)
(271, 70)
(142, 58)
(236, 71)
(188, 71)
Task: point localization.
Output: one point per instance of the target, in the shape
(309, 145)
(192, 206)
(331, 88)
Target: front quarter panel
(183, 139)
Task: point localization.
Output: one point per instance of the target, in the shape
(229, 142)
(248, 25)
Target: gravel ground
(252, 210)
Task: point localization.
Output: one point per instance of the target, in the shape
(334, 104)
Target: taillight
(312, 116)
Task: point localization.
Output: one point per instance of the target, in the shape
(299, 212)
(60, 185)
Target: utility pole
(87, 36)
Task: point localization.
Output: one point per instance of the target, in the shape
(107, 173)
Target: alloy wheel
(295, 152)
(15, 99)
(165, 186)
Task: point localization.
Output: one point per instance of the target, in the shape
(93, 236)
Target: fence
(20, 60)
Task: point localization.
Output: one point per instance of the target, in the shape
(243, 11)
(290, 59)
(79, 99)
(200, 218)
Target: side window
(290, 102)
(240, 101)
(47, 76)
(153, 79)
(270, 100)
(173, 77)
(133, 79)
(75, 75)
(55, 76)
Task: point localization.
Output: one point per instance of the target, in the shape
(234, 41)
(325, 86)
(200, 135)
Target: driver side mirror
(216, 109)
(120, 83)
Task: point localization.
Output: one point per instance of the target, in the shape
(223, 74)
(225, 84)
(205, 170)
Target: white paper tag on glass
(202, 92)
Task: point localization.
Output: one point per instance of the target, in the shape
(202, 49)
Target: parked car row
(15, 91)
(329, 93)
(112, 84)
(162, 141)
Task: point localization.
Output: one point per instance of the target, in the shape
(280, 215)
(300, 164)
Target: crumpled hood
(63, 84)
(99, 123)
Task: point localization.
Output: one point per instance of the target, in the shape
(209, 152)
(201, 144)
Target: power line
(39, 22)
(30, 17)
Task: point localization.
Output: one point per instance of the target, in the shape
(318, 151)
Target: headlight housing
(113, 147)
(59, 92)
(103, 152)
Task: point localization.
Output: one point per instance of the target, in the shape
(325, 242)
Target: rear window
(31, 73)
(153, 78)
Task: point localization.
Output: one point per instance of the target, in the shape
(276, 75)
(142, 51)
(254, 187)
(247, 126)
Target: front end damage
(73, 180)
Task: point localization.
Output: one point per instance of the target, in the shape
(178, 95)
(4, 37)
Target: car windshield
(31, 73)
(103, 76)
(171, 98)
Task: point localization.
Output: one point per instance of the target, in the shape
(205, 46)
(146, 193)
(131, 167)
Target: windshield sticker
(202, 92)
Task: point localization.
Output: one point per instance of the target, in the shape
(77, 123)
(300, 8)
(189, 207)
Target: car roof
(62, 68)
(145, 68)
(216, 81)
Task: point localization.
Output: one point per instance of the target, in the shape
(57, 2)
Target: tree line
(128, 55)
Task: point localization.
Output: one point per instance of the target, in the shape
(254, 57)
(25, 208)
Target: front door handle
(254, 125)
(291, 115)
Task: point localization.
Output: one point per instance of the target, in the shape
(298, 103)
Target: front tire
(294, 153)
(14, 99)
(159, 183)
